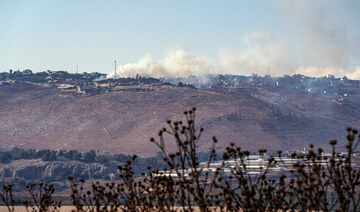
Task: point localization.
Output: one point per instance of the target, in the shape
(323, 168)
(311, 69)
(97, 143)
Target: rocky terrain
(121, 119)
(37, 169)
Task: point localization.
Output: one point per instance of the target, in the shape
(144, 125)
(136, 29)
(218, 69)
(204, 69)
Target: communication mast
(115, 69)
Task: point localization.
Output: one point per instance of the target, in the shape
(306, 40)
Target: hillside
(122, 120)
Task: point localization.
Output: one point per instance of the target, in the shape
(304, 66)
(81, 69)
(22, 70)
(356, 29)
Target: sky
(173, 38)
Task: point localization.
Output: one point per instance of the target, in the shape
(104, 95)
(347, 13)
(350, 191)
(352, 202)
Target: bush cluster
(51, 155)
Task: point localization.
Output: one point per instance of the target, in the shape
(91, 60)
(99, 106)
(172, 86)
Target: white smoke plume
(262, 54)
(322, 41)
(319, 37)
(318, 43)
(176, 64)
(315, 71)
(355, 74)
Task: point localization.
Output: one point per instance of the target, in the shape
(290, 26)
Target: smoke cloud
(355, 74)
(315, 71)
(262, 53)
(176, 64)
(321, 37)
(316, 43)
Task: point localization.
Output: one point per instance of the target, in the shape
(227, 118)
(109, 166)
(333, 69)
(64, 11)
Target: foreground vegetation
(323, 183)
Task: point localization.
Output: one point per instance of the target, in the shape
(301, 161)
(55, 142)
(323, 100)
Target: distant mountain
(52, 110)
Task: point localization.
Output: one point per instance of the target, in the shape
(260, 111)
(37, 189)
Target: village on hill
(95, 83)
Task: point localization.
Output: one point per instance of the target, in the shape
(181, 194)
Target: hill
(119, 116)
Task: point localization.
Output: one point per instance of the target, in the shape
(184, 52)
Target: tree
(5, 157)
(89, 157)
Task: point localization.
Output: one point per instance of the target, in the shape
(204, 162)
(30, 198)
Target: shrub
(41, 199)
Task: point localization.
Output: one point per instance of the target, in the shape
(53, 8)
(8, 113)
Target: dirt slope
(123, 121)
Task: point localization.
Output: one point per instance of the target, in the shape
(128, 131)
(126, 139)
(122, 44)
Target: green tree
(5, 157)
(89, 157)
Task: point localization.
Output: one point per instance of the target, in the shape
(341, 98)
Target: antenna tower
(115, 69)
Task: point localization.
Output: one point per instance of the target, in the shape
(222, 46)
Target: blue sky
(240, 37)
